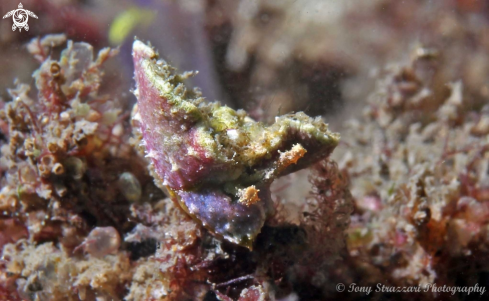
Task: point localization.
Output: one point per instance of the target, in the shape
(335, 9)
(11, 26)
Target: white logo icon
(20, 17)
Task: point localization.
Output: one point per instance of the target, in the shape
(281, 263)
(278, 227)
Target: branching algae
(217, 163)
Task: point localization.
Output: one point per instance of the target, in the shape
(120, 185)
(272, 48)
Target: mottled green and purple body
(218, 163)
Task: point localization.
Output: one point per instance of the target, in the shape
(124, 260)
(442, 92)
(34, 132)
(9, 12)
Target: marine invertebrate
(218, 163)
(70, 181)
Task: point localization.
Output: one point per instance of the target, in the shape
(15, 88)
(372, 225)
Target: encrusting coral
(218, 163)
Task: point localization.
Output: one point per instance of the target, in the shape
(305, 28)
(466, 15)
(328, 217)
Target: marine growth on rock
(215, 162)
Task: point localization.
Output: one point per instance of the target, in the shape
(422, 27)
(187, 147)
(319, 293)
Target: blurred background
(269, 57)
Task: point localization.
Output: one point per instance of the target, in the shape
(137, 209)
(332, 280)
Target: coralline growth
(63, 152)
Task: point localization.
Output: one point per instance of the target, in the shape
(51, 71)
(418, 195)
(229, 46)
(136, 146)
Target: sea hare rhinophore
(217, 163)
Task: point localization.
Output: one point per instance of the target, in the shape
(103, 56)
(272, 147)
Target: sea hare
(215, 162)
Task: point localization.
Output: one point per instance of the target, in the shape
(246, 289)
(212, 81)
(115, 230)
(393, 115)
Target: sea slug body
(215, 162)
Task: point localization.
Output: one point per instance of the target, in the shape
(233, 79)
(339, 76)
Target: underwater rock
(215, 162)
